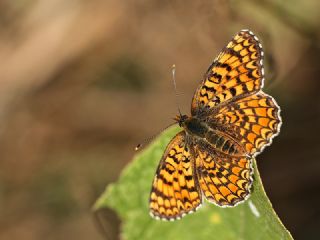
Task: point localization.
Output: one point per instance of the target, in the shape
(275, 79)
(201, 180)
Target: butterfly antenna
(151, 138)
(175, 87)
(177, 104)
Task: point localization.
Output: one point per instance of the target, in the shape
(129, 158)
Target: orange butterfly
(231, 121)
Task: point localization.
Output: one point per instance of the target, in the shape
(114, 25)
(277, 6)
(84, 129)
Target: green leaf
(129, 197)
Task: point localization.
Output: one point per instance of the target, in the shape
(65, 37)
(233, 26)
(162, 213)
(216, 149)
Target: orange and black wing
(175, 191)
(224, 180)
(254, 121)
(236, 72)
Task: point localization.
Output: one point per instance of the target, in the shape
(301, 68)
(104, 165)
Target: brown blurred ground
(82, 82)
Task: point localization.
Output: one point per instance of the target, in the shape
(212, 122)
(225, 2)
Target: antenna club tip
(137, 147)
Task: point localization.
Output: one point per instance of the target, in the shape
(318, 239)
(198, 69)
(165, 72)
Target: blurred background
(82, 82)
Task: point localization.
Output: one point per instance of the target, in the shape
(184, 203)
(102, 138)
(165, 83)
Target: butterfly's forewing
(224, 180)
(255, 120)
(175, 190)
(231, 94)
(237, 71)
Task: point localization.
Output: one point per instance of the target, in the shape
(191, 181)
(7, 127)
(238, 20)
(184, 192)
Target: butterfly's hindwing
(224, 180)
(255, 120)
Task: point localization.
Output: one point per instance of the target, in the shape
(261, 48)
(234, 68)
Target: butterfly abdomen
(223, 143)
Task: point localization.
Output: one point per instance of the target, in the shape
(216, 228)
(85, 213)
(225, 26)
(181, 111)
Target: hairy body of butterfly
(200, 132)
(231, 121)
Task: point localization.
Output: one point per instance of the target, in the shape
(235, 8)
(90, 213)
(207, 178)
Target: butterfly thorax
(209, 135)
(192, 125)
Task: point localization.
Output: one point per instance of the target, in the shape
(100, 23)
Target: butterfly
(232, 120)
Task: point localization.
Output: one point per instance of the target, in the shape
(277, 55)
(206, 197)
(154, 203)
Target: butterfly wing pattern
(254, 119)
(237, 71)
(224, 181)
(236, 121)
(175, 190)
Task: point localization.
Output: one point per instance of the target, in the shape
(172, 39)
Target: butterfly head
(181, 119)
